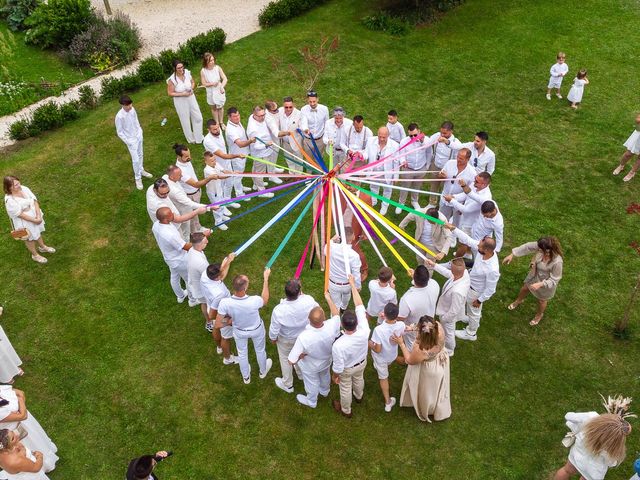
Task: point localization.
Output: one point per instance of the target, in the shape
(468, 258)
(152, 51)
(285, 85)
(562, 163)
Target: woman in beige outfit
(426, 383)
(545, 271)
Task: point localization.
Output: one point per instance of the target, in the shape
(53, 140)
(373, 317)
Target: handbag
(18, 233)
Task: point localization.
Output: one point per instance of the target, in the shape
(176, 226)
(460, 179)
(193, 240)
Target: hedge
(279, 11)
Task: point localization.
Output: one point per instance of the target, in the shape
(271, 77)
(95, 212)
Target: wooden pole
(107, 7)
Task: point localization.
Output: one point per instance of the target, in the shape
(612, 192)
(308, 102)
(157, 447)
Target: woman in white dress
(633, 148)
(9, 360)
(24, 211)
(577, 89)
(17, 461)
(15, 414)
(214, 80)
(597, 441)
(181, 86)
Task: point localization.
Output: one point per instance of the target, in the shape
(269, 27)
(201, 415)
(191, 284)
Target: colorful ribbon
(315, 223)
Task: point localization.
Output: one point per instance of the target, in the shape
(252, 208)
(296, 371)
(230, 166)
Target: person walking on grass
(632, 146)
(558, 71)
(129, 131)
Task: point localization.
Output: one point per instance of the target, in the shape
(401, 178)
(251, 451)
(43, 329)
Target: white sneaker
(384, 208)
(232, 360)
(464, 335)
(548, 96)
(46, 249)
(267, 195)
(225, 218)
(398, 210)
(248, 199)
(146, 174)
(558, 95)
(219, 350)
(222, 227)
(245, 189)
(39, 259)
(184, 295)
(247, 380)
(374, 202)
(390, 405)
(209, 327)
(139, 185)
(269, 364)
(278, 170)
(304, 400)
(227, 212)
(193, 303)
(415, 205)
(280, 384)
(449, 352)
(275, 180)
(234, 205)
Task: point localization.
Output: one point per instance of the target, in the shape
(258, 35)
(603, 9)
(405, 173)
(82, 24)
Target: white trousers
(273, 158)
(177, 274)
(257, 336)
(316, 383)
(340, 294)
(190, 117)
(284, 348)
(259, 167)
(137, 160)
(449, 333)
(194, 223)
(290, 163)
(234, 183)
(473, 313)
(414, 185)
(386, 191)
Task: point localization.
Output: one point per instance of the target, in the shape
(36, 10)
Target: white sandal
(39, 258)
(46, 249)
(629, 176)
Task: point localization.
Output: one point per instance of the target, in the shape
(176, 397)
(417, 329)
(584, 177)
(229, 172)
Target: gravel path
(161, 29)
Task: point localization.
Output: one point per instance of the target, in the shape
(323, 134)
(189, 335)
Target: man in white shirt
(291, 119)
(288, 319)
(396, 130)
(243, 312)
(414, 161)
(490, 224)
(452, 299)
(482, 157)
(214, 290)
(273, 124)
(349, 352)
(335, 133)
(158, 197)
(343, 260)
(196, 264)
(466, 204)
(357, 137)
(455, 170)
(444, 150)
(483, 276)
(180, 199)
(378, 148)
(312, 354)
(238, 143)
(316, 116)
(418, 301)
(130, 132)
(257, 128)
(174, 251)
(214, 142)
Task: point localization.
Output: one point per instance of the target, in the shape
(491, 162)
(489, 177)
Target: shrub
(19, 130)
(114, 87)
(211, 41)
(45, 117)
(386, 23)
(125, 36)
(150, 70)
(166, 58)
(56, 22)
(88, 98)
(70, 111)
(15, 12)
(186, 56)
(280, 11)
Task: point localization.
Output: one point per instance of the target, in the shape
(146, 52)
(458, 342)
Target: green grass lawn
(115, 368)
(32, 65)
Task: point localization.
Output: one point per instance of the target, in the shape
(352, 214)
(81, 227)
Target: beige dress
(426, 386)
(549, 273)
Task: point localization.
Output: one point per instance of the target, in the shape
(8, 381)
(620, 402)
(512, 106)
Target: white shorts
(382, 368)
(215, 98)
(555, 82)
(227, 332)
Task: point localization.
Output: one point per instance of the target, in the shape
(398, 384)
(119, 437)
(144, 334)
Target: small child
(396, 130)
(558, 71)
(214, 188)
(632, 146)
(384, 352)
(382, 292)
(577, 89)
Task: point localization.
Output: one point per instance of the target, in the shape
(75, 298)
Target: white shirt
(590, 466)
(179, 198)
(454, 294)
(489, 227)
(351, 349)
(180, 86)
(214, 187)
(273, 124)
(485, 273)
(468, 204)
(316, 119)
(290, 123)
(357, 141)
(236, 132)
(337, 134)
(259, 130)
(380, 296)
(415, 157)
(196, 264)
(337, 270)
(213, 291)
(417, 302)
(188, 173)
(452, 187)
(154, 202)
(213, 144)
(396, 131)
(559, 70)
(482, 162)
(316, 343)
(171, 244)
(382, 336)
(244, 311)
(425, 236)
(290, 317)
(127, 126)
(443, 152)
(374, 153)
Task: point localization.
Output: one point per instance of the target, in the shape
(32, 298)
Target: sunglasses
(475, 162)
(413, 135)
(454, 178)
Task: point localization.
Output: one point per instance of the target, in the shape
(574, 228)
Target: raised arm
(357, 299)
(265, 286)
(226, 263)
(332, 306)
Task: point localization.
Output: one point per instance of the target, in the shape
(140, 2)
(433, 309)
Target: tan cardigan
(442, 238)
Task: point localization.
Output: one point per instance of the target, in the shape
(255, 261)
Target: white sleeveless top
(180, 85)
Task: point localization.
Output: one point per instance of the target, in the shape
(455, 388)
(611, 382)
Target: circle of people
(418, 331)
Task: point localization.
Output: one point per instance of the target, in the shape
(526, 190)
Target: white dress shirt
(213, 291)
(244, 311)
(127, 126)
(350, 350)
(273, 124)
(396, 131)
(179, 198)
(316, 343)
(482, 162)
(214, 144)
(259, 130)
(316, 119)
(337, 134)
(414, 156)
(485, 273)
(188, 173)
(290, 123)
(290, 317)
(374, 153)
(452, 187)
(419, 301)
(236, 132)
(196, 264)
(154, 202)
(380, 296)
(170, 243)
(357, 141)
(337, 269)
(443, 152)
(468, 204)
(489, 227)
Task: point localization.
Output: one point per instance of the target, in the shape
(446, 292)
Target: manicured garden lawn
(115, 368)
(32, 65)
